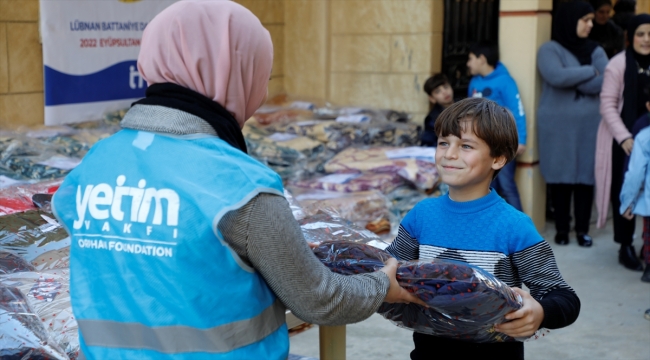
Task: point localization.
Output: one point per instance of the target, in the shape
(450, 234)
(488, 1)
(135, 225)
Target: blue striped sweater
(489, 233)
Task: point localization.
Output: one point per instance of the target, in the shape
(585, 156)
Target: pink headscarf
(217, 48)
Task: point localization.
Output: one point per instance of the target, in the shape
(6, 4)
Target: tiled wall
(363, 52)
(21, 64)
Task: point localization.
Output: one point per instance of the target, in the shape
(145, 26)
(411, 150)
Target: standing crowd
(596, 73)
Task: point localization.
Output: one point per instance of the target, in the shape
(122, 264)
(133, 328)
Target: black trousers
(583, 199)
(623, 228)
(428, 347)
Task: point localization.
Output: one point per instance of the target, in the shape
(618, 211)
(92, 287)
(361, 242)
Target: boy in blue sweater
(476, 139)
(491, 80)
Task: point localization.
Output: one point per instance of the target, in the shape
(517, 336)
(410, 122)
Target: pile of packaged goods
(36, 319)
(361, 164)
(350, 173)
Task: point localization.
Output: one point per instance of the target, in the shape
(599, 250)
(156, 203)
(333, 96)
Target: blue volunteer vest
(151, 275)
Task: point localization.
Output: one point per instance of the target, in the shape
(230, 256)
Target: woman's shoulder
(551, 45)
(618, 61)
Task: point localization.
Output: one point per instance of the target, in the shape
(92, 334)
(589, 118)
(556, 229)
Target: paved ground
(610, 326)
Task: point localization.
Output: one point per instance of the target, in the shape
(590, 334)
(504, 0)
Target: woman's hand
(627, 146)
(628, 214)
(525, 321)
(396, 293)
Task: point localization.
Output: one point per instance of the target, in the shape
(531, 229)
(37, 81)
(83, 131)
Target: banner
(90, 51)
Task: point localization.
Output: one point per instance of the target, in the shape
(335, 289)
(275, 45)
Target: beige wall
(363, 52)
(21, 64)
(21, 58)
(524, 25)
(271, 14)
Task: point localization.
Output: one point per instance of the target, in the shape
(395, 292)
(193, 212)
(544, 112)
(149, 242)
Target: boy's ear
(432, 99)
(647, 105)
(483, 59)
(499, 162)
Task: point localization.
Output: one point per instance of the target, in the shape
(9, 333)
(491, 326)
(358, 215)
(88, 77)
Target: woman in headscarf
(622, 102)
(605, 31)
(184, 246)
(571, 67)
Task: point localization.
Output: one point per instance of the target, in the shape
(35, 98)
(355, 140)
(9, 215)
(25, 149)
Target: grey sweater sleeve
(264, 233)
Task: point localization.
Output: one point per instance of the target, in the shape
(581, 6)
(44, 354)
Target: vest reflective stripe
(178, 339)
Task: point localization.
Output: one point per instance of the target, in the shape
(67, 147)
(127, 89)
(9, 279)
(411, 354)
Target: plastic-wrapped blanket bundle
(414, 164)
(323, 227)
(289, 155)
(31, 234)
(353, 182)
(11, 263)
(366, 209)
(23, 333)
(48, 294)
(465, 301)
(18, 198)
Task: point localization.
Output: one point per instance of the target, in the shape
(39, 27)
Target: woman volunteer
(182, 245)
(622, 103)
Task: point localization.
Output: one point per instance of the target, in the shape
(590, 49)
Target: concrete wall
(21, 64)
(363, 52)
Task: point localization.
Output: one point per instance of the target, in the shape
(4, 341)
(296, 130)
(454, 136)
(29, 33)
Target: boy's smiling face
(465, 164)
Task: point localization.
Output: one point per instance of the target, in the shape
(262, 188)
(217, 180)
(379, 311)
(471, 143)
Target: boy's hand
(396, 293)
(628, 214)
(525, 321)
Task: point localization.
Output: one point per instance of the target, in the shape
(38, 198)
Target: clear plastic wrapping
(414, 164)
(11, 263)
(24, 158)
(366, 209)
(350, 258)
(277, 115)
(31, 234)
(289, 155)
(322, 228)
(53, 259)
(48, 294)
(353, 182)
(464, 301)
(19, 197)
(23, 333)
(297, 211)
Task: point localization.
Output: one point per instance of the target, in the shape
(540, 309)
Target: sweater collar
(473, 206)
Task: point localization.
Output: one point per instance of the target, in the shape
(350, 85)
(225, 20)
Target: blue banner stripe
(117, 82)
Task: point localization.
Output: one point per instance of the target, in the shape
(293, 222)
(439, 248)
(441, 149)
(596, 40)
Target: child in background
(476, 139)
(634, 199)
(441, 96)
(491, 80)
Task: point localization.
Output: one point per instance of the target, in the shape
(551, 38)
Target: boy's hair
(488, 49)
(433, 82)
(491, 122)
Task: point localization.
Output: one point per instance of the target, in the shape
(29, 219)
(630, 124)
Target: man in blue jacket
(491, 80)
